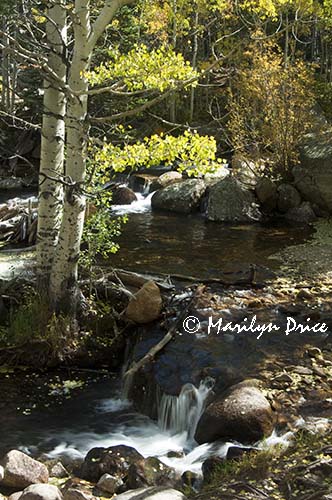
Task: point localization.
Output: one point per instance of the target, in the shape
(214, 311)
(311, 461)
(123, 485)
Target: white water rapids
(177, 422)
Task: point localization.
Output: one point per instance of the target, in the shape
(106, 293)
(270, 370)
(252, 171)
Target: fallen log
(161, 344)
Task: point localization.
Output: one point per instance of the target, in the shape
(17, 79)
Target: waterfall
(182, 413)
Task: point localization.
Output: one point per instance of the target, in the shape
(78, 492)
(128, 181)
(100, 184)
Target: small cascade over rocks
(181, 413)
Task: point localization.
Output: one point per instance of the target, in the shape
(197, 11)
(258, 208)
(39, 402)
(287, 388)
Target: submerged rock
(153, 493)
(146, 304)
(229, 201)
(182, 197)
(21, 471)
(241, 413)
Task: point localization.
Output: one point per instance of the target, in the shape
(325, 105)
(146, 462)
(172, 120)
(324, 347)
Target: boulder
(288, 198)
(59, 471)
(21, 471)
(241, 413)
(110, 484)
(2, 473)
(182, 197)
(164, 180)
(145, 306)
(230, 201)
(266, 192)
(152, 493)
(41, 492)
(122, 195)
(115, 460)
(150, 472)
(303, 214)
(313, 176)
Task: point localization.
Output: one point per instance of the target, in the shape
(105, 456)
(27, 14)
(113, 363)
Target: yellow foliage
(270, 106)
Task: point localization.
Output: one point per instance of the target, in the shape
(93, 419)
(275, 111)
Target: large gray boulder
(21, 471)
(182, 197)
(153, 493)
(288, 198)
(313, 176)
(230, 201)
(242, 413)
(41, 492)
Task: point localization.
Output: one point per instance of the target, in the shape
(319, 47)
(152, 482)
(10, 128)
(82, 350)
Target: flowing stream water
(98, 416)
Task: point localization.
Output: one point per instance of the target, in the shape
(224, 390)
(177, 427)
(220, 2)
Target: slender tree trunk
(5, 94)
(52, 146)
(172, 103)
(194, 65)
(64, 271)
(63, 280)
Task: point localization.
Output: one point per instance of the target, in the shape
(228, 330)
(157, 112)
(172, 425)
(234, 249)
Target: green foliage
(270, 107)
(100, 229)
(140, 69)
(34, 321)
(191, 152)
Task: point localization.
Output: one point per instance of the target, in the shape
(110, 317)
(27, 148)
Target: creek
(98, 415)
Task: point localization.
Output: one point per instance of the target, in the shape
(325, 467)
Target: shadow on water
(171, 243)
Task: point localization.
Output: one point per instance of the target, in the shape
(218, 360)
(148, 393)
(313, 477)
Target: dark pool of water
(170, 243)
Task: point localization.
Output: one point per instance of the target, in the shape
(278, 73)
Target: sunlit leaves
(140, 69)
(189, 152)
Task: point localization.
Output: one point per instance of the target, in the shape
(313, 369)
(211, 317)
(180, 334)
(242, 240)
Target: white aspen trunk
(52, 146)
(63, 283)
(64, 271)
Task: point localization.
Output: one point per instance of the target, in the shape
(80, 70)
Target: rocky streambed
(221, 272)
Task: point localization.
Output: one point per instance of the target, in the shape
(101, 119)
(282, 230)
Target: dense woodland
(165, 174)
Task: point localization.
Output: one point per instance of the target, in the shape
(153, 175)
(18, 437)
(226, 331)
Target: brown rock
(146, 305)
(123, 195)
(242, 413)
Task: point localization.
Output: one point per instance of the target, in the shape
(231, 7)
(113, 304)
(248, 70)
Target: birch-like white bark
(65, 266)
(52, 145)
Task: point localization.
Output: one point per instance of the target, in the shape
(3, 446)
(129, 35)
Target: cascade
(182, 413)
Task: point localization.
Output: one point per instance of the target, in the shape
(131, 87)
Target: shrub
(270, 107)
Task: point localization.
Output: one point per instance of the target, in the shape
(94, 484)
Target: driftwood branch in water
(160, 345)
